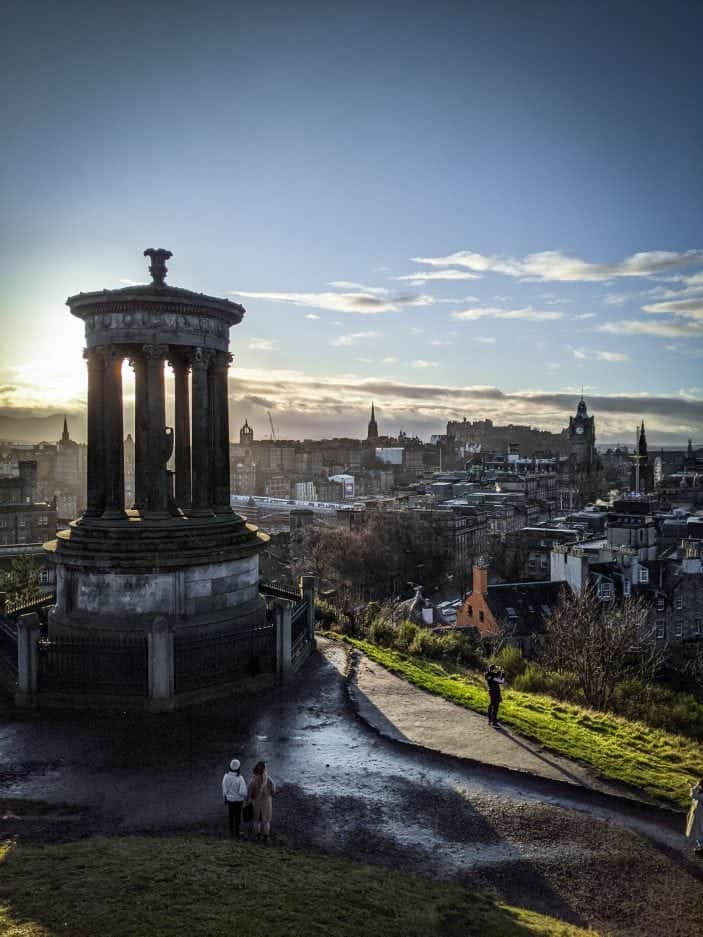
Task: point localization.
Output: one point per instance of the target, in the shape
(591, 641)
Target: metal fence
(280, 590)
(31, 603)
(209, 659)
(8, 645)
(108, 667)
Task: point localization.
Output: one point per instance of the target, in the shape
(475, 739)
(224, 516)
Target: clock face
(579, 430)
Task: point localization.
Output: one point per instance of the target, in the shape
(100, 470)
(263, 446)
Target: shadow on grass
(179, 887)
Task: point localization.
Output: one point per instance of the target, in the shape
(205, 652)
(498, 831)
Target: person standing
(694, 821)
(261, 791)
(494, 680)
(234, 791)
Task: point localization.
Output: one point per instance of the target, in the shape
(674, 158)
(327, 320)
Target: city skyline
(465, 211)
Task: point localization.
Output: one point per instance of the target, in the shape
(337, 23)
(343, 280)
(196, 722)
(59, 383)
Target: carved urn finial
(158, 268)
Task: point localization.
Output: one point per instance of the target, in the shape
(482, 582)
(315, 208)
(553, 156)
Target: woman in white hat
(234, 791)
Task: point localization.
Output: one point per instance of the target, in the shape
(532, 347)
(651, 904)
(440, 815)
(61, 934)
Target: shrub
(460, 647)
(381, 632)
(659, 706)
(405, 635)
(510, 659)
(534, 679)
(325, 613)
(426, 644)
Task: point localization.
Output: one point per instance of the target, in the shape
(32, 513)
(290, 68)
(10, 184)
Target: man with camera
(494, 679)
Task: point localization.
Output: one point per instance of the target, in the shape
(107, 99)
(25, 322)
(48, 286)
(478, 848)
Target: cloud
(555, 266)
(391, 359)
(422, 363)
(528, 314)
(343, 341)
(337, 404)
(422, 276)
(364, 303)
(586, 354)
(261, 344)
(349, 285)
(484, 339)
(650, 327)
(311, 315)
(686, 308)
(585, 315)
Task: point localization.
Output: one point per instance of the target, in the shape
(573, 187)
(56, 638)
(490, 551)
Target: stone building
(177, 569)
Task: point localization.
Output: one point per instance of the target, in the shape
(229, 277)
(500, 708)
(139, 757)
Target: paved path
(533, 841)
(405, 713)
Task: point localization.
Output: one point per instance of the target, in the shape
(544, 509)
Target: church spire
(64, 436)
(372, 432)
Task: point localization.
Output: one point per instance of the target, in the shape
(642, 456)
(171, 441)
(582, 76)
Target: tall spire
(373, 426)
(642, 445)
(64, 436)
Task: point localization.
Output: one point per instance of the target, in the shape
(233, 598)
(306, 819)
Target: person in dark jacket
(494, 681)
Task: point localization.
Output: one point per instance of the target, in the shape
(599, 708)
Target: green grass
(660, 763)
(187, 887)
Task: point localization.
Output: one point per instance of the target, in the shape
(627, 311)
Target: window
(678, 628)
(644, 574)
(605, 590)
(678, 604)
(44, 576)
(471, 611)
(661, 603)
(661, 629)
(480, 616)
(697, 627)
(626, 587)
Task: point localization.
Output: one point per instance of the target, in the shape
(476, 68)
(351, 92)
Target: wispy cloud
(585, 315)
(588, 354)
(311, 315)
(555, 266)
(343, 341)
(364, 303)
(686, 308)
(261, 344)
(422, 276)
(390, 359)
(350, 285)
(528, 314)
(654, 327)
(422, 363)
(484, 339)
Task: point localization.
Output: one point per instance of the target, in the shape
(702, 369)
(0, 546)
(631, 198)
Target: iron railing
(280, 590)
(22, 606)
(112, 667)
(208, 659)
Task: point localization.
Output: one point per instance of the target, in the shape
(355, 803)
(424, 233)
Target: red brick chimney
(480, 578)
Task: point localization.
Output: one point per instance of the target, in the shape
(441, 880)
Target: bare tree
(597, 641)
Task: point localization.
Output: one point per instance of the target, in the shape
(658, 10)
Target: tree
(599, 642)
(22, 580)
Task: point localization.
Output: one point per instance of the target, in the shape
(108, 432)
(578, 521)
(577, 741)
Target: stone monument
(178, 559)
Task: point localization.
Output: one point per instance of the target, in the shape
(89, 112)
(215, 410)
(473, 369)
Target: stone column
(96, 438)
(200, 360)
(183, 481)
(157, 444)
(220, 432)
(141, 431)
(308, 589)
(114, 435)
(284, 640)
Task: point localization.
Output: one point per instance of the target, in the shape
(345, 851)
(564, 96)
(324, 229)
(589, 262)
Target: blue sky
(539, 162)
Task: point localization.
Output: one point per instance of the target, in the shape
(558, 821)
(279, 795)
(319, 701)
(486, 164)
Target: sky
(466, 209)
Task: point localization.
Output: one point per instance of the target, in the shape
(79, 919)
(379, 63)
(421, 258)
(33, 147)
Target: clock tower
(582, 438)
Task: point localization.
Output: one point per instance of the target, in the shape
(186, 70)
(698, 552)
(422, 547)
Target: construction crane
(273, 428)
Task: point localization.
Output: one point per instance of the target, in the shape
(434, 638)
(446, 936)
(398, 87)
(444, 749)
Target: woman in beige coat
(694, 822)
(261, 791)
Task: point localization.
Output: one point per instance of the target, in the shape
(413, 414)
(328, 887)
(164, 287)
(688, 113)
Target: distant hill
(34, 429)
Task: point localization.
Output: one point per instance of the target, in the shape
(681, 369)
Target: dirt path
(534, 841)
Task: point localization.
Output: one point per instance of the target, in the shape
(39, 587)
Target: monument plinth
(179, 557)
